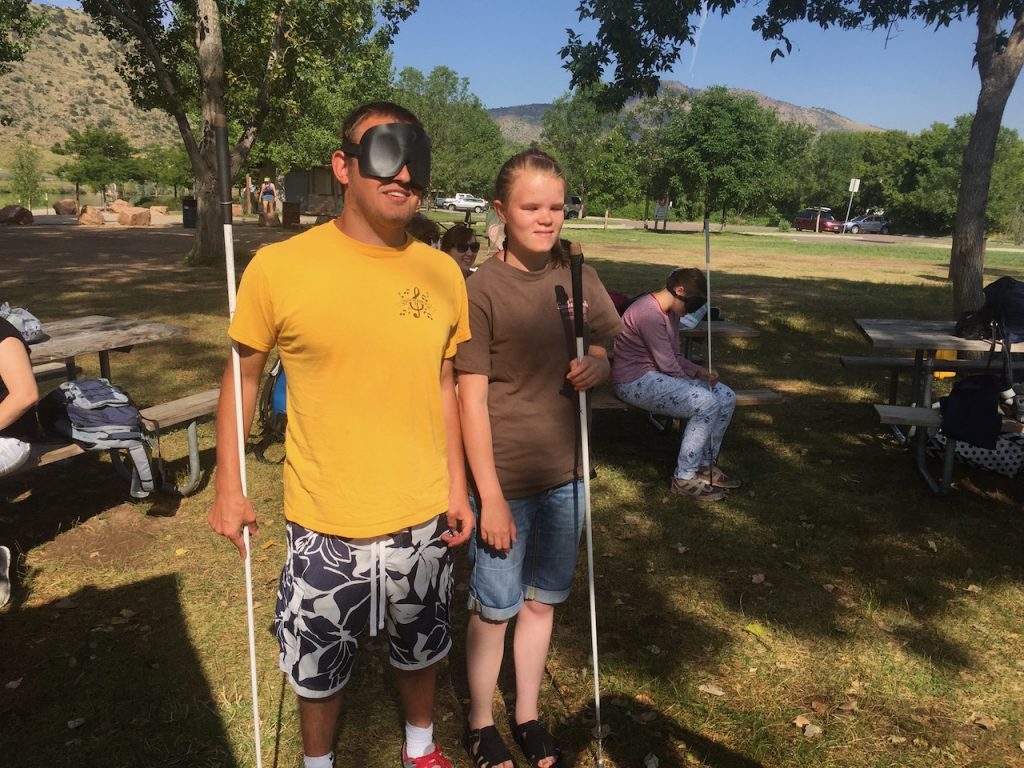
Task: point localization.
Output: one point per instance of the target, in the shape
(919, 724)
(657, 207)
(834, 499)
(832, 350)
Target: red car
(811, 217)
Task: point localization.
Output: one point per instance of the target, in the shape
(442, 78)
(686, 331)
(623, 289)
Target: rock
(160, 209)
(270, 220)
(118, 205)
(91, 215)
(15, 214)
(236, 209)
(133, 217)
(66, 207)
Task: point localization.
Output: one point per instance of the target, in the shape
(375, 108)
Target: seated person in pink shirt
(650, 372)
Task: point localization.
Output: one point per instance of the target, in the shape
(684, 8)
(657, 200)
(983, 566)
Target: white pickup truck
(462, 202)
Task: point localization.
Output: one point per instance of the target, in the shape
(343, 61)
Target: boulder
(133, 217)
(270, 220)
(66, 207)
(161, 209)
(118, 205)
(15, 214)
(91, 215)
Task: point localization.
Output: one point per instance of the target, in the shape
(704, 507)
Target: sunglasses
(384, 150)
(474, 247)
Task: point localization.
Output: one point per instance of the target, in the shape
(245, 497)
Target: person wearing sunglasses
(366, 320)
(461, 244)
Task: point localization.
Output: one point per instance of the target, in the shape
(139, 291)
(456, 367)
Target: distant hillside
(68, 78)
(523, 124)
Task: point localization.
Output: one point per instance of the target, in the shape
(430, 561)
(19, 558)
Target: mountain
(69, 79)
(523, 124)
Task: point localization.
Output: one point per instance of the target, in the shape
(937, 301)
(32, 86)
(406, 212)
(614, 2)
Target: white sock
(324, 761)
(418, 741)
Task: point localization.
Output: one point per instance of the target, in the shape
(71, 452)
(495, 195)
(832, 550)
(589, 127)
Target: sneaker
(435, 759)
(696, 488)
(718, 478)
(5, 578)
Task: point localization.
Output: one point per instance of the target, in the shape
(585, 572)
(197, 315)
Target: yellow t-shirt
(362, 332)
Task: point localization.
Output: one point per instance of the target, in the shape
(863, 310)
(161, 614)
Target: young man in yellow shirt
(366, 321)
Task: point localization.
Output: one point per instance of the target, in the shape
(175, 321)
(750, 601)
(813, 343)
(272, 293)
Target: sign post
(854, 187)
(661, 213)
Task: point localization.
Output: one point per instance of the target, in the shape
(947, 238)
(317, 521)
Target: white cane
(224, 177)
(576, 269)
(707, 322)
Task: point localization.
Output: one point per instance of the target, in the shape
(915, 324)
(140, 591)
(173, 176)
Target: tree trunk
(208, 247)
(998, 72)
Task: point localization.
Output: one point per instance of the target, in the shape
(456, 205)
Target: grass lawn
(832, 589)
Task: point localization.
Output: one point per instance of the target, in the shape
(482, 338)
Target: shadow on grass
(108, 678)
(639, 730)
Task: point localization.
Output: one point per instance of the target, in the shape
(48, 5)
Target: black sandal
(536, 742)
(485, 747)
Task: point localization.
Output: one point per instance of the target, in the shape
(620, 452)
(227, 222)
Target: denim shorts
(541, 563)
(333, 588)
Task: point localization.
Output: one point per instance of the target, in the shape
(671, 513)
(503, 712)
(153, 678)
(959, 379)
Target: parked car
(462, 202)
(869, 223)
(573, 207)
(817, 220)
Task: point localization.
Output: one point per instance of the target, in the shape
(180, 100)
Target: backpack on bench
(100, 417)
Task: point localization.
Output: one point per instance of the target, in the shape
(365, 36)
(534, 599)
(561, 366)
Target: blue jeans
(541, 563)
(707, 413)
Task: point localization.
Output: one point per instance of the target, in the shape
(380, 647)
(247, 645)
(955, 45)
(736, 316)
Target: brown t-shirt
(523, 340)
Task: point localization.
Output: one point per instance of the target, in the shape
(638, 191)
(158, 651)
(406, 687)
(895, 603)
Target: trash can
(290, 214)
(189, 212)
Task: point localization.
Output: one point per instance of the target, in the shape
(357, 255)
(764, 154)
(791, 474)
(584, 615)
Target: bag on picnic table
(1001, 319)
(28, 325)
(98, 416)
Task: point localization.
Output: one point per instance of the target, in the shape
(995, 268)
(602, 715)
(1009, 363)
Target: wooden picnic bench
(47, 371)
(604, 399)
(897, 365)
(156, 420)
(929, 418)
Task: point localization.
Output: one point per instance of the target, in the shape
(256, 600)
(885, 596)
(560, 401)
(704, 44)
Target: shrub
(783, 225)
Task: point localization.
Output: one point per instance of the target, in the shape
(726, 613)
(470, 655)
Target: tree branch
(163, 75)
(988, 26)
(262, 106)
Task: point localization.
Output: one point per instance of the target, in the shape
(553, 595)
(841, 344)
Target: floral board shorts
(332, 588)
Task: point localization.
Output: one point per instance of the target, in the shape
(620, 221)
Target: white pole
(576, 266)
(707, 323)
(224, 173)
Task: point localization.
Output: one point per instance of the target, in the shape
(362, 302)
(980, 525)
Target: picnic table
(98, 334)
(101, 335)
(925, 338)
(725, 329)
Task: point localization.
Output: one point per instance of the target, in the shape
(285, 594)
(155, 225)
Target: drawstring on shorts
(378, 584)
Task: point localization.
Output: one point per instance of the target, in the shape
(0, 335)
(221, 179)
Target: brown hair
(423, 229)
(691, 280)
(378, 109)
(540, 162)
(460, 234)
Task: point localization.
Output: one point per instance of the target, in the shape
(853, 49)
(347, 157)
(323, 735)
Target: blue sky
(509, 51)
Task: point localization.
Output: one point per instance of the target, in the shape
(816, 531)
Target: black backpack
(1004, 305)
(1001, 319)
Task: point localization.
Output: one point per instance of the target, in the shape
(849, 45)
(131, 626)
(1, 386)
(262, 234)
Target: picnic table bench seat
(54, 370)
(604, 399)
(155, 420)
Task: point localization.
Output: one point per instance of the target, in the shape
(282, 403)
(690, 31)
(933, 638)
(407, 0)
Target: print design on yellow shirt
(416, 303)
